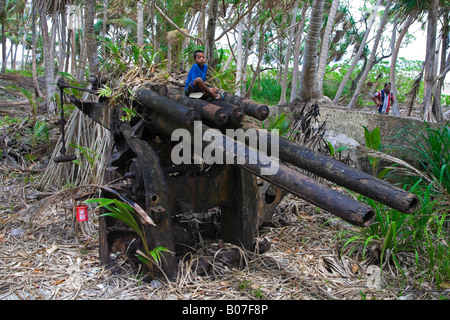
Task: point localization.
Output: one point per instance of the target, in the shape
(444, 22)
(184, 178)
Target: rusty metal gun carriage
(141, 160)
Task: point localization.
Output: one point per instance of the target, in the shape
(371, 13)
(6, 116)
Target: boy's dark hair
(197, 51)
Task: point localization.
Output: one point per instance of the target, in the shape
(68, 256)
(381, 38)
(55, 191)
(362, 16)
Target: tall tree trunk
(326, 43)
(3, 48)
(91, 41)
(246, 52)
(358, 54)
(82, 58)
(298, 41)
(430, 60)
(2, 5)
(239, 59)
(288, 56)
(444, 67)
(384, 19)
(308, 84)
(33, 49)
(140, 23)
(201, 25)
(105, 17)
(262, 47)
(280, 50)
(13, 56)
(63, 44)
(73, 48)
(393, 74)
(210, 34)
(49, 63)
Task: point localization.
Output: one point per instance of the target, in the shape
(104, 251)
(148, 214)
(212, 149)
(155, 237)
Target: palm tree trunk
(48, 61)
(210, 34)
(91, 41)
(33, 50)
(105, 15)
(430, 60)
(308, 84)
(326, 43)
(298, 41)
(13, 56)
(63, 43)
(358, 54)
(246, 53)
(262, 47)
(2, 5)
(288, 56)
(140, 23)
(280, 50)
(73, 48)
(3, 48)
(82, 60)
(393, 75)
(239, 59)
(444, 66)
(384, 19)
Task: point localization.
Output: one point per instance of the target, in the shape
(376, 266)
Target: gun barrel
(208, 111)
(256, 110)
(286, 178)
(344, 175)
(175, 110)
(235, 113)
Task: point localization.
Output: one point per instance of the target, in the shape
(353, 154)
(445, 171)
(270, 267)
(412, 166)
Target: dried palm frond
(82, 132)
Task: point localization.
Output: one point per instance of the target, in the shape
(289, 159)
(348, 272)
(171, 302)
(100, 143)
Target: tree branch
(235, 23)
(175, 26)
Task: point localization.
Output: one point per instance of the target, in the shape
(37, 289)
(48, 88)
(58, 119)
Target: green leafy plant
(391, 232)
(33, 102)
(335, 153)
(129, 114)
(125, 213)
(38, 134)
(424, 233)
(112, 58)
(246, 285)
(430, 147)
(266, 90)
(90, 155)
(7, 121)
(279, 122)
(73, 82)
(373, 141)
(105, 91)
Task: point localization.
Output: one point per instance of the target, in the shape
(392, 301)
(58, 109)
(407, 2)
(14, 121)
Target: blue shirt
(194, 73)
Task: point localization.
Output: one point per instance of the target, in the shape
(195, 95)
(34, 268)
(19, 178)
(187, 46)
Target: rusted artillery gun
(247, 188)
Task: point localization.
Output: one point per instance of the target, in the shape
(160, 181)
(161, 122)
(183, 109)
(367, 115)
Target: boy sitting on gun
(196, 78)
